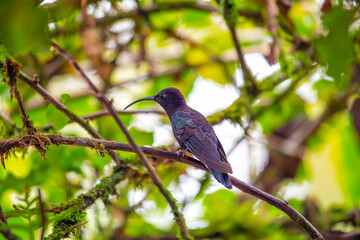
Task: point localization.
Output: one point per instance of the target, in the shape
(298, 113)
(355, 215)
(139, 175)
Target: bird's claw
(181, 152)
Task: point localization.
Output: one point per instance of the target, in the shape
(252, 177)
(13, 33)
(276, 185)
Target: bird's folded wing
(202, 147)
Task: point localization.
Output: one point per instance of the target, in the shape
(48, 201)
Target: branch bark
(7, 233)
(34, 84)
(6, 145)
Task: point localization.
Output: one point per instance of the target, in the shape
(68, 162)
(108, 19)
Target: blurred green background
(294, 135)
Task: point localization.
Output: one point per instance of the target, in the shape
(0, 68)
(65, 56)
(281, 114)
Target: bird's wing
(200, 144)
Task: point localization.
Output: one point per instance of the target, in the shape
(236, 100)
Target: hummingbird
(193, 133)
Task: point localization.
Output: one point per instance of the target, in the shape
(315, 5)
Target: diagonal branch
(6, 145)
(154, 176)
(105, 113)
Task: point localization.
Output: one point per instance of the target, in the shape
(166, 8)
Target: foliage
(305, 113)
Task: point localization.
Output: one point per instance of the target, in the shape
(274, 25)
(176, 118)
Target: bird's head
(169, 98)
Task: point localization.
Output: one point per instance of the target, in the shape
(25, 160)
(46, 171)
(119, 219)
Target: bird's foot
(181, 152)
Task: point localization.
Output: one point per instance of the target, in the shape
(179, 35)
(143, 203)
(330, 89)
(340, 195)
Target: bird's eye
(161, 96)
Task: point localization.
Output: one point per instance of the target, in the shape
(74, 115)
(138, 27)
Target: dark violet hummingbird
(193, 133)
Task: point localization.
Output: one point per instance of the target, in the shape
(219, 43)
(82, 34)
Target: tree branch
(22, 142)
(34, 84)
(7, 233)
(77, 206)
(272, 11)
(154, 176)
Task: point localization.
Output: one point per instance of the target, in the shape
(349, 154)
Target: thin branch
(6, 145)
(42, 214)
(154, 176)
(272, 10)
(298, 77)
(248, 78)
(62, 107)
(7, 233)
(234, 146)
(106, 113)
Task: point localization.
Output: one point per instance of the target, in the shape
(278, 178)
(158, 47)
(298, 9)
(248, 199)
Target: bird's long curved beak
(139, 100)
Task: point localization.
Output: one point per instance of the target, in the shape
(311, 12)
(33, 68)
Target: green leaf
(304, 20)
(58, 118)
(336, 50)
(142, 138)
(65, 97)
(281, 112)
(215, 212)
(195, 18)
(24, 27)
(165, 19)
(3, 54)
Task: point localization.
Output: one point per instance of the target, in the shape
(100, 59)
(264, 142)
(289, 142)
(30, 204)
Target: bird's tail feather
(222, 178)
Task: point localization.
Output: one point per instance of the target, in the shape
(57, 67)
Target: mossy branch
(72, 214)
(12, 70)
(33, 135)
(8, 144)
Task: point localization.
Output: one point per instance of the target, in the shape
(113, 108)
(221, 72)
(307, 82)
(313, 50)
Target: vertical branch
(272, 11)
(42, 214)
(155, 178)
(12, 71)
(248, 78)
(7, 233)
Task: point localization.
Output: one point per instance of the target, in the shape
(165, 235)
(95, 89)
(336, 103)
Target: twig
(295, 81)
(234, 146)
(105, 113)
(102, 98)
(79, 225)
(272, 11)
(62, 107)
(7, 233)
(42, 213)
(6, 145)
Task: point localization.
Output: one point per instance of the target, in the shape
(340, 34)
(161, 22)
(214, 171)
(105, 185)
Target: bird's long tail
(222, 178)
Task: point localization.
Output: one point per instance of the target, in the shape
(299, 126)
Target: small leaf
(142, 138)
(65, 97)
(56, 117)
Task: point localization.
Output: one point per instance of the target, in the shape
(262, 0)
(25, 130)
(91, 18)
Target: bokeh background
(278, 79)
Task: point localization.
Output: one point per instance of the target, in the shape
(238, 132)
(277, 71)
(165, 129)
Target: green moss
(65, 223)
